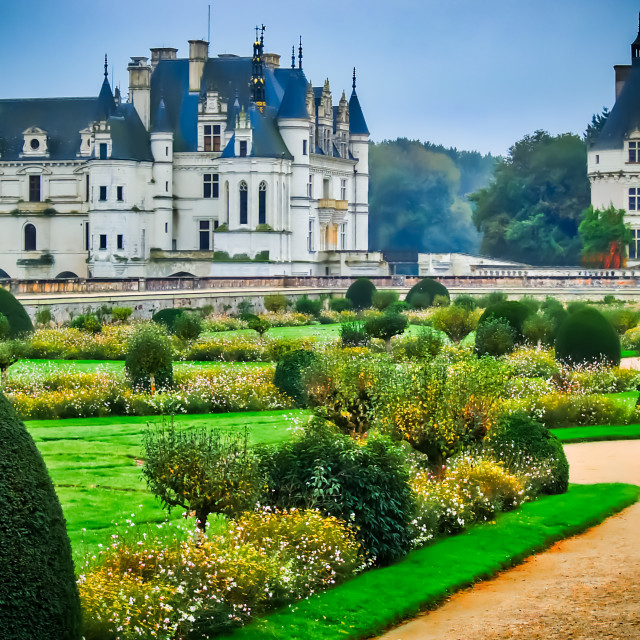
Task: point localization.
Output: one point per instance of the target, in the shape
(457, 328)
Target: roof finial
(293, 56)
(106, 67)
(354, 79)
(300, 54)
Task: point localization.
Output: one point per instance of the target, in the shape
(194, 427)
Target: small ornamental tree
(360, 293)
(422, 293)
(202, 470)
(385, 327)
(538, 329)
(38, 593)
(586, 336)
(188, 326)
(149, 358)
(259, 325)
(495, 337)
(515, 313)
(456, 321)
(19, 321)
(384, 298)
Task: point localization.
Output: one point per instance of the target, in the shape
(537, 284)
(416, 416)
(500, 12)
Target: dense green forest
(418, 196)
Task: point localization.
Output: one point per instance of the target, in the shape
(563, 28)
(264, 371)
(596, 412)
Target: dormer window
(86, 145)
(35, 142)
(634, 151)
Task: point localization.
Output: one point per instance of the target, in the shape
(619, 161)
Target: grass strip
(378, 600)
(573, 435)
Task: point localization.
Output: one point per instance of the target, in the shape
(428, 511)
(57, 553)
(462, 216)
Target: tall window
(210, 185)
(34, 188)
(103, 194)
(243, 148)
(205, 235)
(634, 246)
(304, 147)
(29, 237)
(310, 238)
(634, 199)
(310, 187)
(120, 241)
(227, 203)
(244, 208)
(212, 137)
(343, 189)
(103, 241)
(634, 146)
(262, 203)
(343, 236)
(103, 151)
(120, 194)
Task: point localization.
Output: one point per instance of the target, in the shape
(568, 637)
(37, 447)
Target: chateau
(214, 166)
(614, 158)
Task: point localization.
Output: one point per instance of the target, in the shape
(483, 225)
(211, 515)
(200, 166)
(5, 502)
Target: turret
(162, 150)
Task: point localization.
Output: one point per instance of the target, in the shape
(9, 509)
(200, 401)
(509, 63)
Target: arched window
(244, 208)
(29, 237)
(262, 203)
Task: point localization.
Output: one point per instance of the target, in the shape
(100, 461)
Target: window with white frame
(244, 203)
(310, 238)
(634, 199)
(210, 185)
(212, 137)
(343, 189)
(262, 203)
(634, 245)
(343, 236)
(634, 147)
(310, 186)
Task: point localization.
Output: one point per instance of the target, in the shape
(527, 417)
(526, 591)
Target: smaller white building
(614, 158)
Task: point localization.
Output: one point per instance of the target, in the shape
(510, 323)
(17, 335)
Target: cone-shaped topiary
(422, 293)
(38, 593)
(586, 336)
(360, 293)
(19, 321)
(515, 313)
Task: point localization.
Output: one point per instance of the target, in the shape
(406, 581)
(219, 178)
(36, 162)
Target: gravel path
(583, 588)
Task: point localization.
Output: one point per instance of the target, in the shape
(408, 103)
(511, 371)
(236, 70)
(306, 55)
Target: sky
(471, 74)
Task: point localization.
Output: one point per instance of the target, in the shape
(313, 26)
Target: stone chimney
(140, 87)
(198, 54)
(622, 73)
(162, 53)
(271, 60)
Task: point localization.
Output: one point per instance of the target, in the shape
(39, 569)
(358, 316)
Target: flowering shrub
(221, 322)
(242, 348)
(284, 319)
(152, 588)
(472, 489)
(420, 317)
(75, 344)
(533, 362)
(63, 394)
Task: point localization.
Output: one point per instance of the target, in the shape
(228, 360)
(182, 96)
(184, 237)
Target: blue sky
(474, 74)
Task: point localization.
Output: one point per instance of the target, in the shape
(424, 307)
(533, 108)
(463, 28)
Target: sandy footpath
(586, 587)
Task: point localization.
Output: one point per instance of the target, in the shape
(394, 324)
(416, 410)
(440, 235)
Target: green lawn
(628, 353)
(95, 465)
(626, 398)
(377, 600)
(570, 435)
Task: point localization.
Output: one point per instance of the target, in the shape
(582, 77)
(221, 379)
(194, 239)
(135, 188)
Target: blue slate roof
(129, 137)
(294, 102)
(625, 115)
(161, 121)
(357, 123)
(61, 118)
(106, 105)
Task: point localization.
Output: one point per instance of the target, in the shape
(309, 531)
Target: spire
(354, 79)
(300, 54)
(357, 123)
(635, 47)
(106, 105)
(293, 56)
(257, 71)
(161, 121)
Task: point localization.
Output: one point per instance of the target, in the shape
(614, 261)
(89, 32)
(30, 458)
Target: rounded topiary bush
(586, 336)
(19, 321)
(422, 293)
(340, 304)
(309, 306)
(288, 375)
(188, 325)
(149, 358)
(495, 337)
(167, 318)
(360, 293)
(518, 435)
(38, 593)
(515, 313)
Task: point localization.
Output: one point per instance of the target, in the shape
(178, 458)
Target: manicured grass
(628, 353)
(570, 435)
(627, 399)
(95, 465)
(380, 599)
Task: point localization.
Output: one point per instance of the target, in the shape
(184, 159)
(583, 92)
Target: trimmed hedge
(360, 293)
(515, 313)
(586, 336)
(19, 321)
(288, 375)
(422, 293)
(167, 318)
(38, 593)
